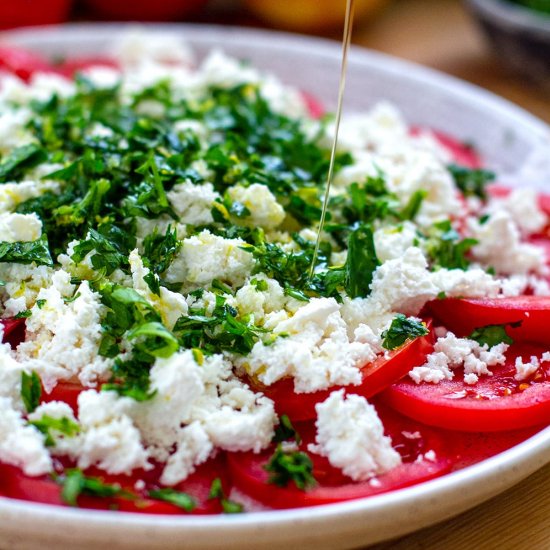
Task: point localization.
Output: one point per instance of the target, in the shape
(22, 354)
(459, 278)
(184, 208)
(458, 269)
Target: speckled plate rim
(365, 521)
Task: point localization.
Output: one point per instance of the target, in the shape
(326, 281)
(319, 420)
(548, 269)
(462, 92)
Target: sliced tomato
(409, 438)
(64, 391)
(138, 10)
(461, 152)
(495, 403)
(376, 377)
(22, 63)
(14, 331)
(462, 316)
(314, 106)
(15, 484)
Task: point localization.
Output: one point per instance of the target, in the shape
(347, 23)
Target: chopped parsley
(49, 426)
(228, 506)
(446, 249)
(27, 252)
(74, 484)
(177, 498)
(471, 181)
(361, 262)
(290, 467)
(401, 330)
(492, 335)
(31, 390)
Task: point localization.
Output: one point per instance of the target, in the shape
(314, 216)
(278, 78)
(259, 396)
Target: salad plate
(511, 142)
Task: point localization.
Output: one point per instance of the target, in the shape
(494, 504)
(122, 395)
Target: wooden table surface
(441, 34)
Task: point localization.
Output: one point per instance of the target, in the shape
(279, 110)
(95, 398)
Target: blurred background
(501, 45)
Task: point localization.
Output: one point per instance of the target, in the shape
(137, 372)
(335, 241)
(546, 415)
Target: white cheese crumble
(316, 350)
(351, 435)
(526, 369)
(20, 227)
(21, 445)
(264, 209)
(451, 352)
(193, 203)
(205, 257)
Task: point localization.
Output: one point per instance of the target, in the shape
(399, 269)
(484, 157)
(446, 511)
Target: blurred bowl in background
(520, 36)
(310, 15)
(143, 10)
(20, 13)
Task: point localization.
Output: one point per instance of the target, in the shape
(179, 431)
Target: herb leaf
(228, 506)
(471, 181)
(361, 262)
(177, 498)
(75, 483)
(48, 424)
(491, 335)
(31, 390)
(26, 156)
(27, 252)
(402, 328)
(285, 467)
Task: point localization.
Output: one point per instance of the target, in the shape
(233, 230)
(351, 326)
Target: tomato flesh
(495, 403)
(15, 484)
(462, 316)
(376, 377)
(14, 331)
(22, 63)
(249, 474)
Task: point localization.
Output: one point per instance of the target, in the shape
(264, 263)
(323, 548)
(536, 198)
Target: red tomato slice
(64, 391)
(15, 484)
(15, 13)
(22, 63)
(314, 106)
(462, 153)
(251, 478)
(14, 331)
(463, 316)
(137, 10)
(495, 403)
(376, 377)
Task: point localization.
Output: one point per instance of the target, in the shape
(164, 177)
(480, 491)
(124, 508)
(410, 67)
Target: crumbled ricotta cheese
(20, 227)
(351, 435)
(316, 350)
(205, 256)
(20, 444)
(264, 209)
(193, 203)
(500, 246)
(451, 352)
(525, 370)
(63, 338)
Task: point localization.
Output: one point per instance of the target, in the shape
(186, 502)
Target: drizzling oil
(346, 40)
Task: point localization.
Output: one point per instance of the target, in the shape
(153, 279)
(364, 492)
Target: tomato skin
(15, 484)
(462, 316)
(250, 477)
(461, 153)
(14, 331)
(495, 403)
(314, 106)
(64, 391)
(376, 377)
(22, 63)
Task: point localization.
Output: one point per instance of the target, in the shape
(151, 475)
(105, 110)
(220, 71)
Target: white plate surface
(512, 141)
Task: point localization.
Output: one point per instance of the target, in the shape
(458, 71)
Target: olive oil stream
(346, 40)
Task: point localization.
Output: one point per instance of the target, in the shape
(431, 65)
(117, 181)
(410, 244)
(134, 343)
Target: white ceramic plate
(512, 141)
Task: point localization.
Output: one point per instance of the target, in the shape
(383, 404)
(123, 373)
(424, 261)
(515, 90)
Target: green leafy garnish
(446, 249)
(491, 335)
(290, 467)
(74, 484)
(177, 498)
(401, 330)
(49, 426)
(27, 252)
(361, 262)
(471, 181)
(24, 157)
(285, 431)
(31, 390)
(228, 506)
